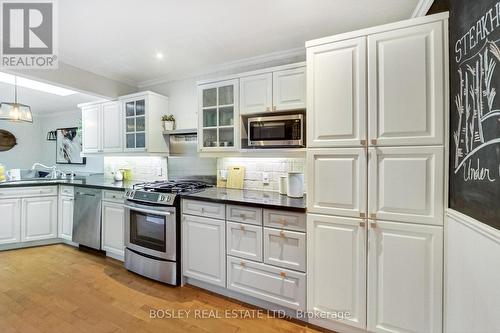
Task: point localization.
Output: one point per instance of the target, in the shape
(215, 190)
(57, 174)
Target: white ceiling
(119, 38)
(42, 102)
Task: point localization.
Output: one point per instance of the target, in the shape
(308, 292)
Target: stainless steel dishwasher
(87, 217)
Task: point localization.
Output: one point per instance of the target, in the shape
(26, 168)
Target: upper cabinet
(132, 123)
(405, 86)
(279, 90)
(336, 82)
(218, 127)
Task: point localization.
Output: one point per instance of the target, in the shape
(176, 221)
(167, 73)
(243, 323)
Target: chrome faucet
(53, 173)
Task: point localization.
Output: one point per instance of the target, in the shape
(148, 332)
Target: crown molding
(228, 66)
(422, 8)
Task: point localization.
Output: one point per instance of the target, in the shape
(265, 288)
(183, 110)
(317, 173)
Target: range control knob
(162, 197)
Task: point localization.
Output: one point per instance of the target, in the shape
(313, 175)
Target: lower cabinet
(284, 248)
(39, 218)
(244, 240)
(203, 249)
(10, 223)
(65, 217)
(272, 284)
(405, 263)
(113, 221)
(337, 267)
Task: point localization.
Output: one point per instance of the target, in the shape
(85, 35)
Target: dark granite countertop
(95, 181)
(265, 199)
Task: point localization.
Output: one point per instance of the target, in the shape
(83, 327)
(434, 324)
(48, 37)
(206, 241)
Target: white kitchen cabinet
(337, 181)
(406, 184)
(284, 248)
(65, 217)
(141, 121)
(113, 220)
(406, 86)
(336, 98)
(244, 241)
(10, 223)
(289, 89)
(266, 282)
(102, 127)
(405, 264)
(336, 267)
(256, 93)
(219, 116)
(91, 128)
(112, 136)
(204, 249)
(39, 218)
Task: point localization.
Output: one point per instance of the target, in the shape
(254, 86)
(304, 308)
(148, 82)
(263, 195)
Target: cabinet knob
(373, 224)
(373, 141)
(283, 274)
(362, 224)
(242, 227)
(242, 216)
(242, 264)
(362, 142)
(373, 216)
(282, 234)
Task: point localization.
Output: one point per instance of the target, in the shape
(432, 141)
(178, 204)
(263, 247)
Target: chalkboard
(475, 109)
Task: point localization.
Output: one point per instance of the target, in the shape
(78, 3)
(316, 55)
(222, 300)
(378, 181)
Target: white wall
(52, 122)
(472, 275)
(27, 150)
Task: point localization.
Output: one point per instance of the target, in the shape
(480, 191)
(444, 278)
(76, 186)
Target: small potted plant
(168, 122)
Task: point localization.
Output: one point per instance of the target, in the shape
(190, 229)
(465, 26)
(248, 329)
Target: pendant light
(15, 111)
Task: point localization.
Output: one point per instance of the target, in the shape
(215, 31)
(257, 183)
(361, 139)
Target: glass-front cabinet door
(218, 116)
(135, 124)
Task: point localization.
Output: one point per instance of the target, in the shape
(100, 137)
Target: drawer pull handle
(242, 227)
(274, 108)
(373, 224)
(362, 215)
(268, 109)
(282, 234)
(373, 216)
(243, 216)
(283, 221)
(242, 264)
(373, 141)
(283, 274)
(362, 142)
(202, 210)
(362, 224)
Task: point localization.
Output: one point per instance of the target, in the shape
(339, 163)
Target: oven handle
(148, 211)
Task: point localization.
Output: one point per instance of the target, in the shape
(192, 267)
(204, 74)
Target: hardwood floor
(58, 288)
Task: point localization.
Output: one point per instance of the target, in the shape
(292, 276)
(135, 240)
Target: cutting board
(235, 176)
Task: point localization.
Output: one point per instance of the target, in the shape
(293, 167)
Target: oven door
(151, 230)
(276, 131)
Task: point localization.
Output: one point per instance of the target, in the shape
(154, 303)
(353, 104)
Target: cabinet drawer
(244, 241)
(244, 214)
(285, 249)
(272, 284)
(17, 192)
(284, 220)
(204, 208)
(114, 196)
(66, 190)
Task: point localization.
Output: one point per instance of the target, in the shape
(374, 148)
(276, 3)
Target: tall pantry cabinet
(376, 148)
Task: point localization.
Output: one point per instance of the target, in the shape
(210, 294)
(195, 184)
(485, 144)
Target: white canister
(282, 186)
(295, 184)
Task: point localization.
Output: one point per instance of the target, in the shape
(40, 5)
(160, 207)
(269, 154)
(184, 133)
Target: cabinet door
(336, 266)
(91, 129)
(405, 263)
(65, 217)
(406, 184)
(244, 241)
(336, 94)
(289, 89)
(112, 121)
(285, 249)
(113, 220)
(256, 93)
(405, 86)
(10, 224)
(38, 218)
(203, 249)
(135, 112)
(337, 181)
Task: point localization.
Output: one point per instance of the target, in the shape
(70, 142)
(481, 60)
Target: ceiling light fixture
(159, 55)
(35, 85)
(15, 111)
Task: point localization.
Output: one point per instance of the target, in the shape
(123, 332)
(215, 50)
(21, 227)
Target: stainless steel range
(152, 228)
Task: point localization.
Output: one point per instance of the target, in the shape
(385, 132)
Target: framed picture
(69, 146)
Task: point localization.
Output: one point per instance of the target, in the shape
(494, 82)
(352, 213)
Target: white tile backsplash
(145, 168)
(254, 167)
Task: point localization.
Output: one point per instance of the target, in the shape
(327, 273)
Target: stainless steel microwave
(276, 131)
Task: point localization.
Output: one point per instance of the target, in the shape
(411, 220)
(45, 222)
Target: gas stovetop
(163, 192)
